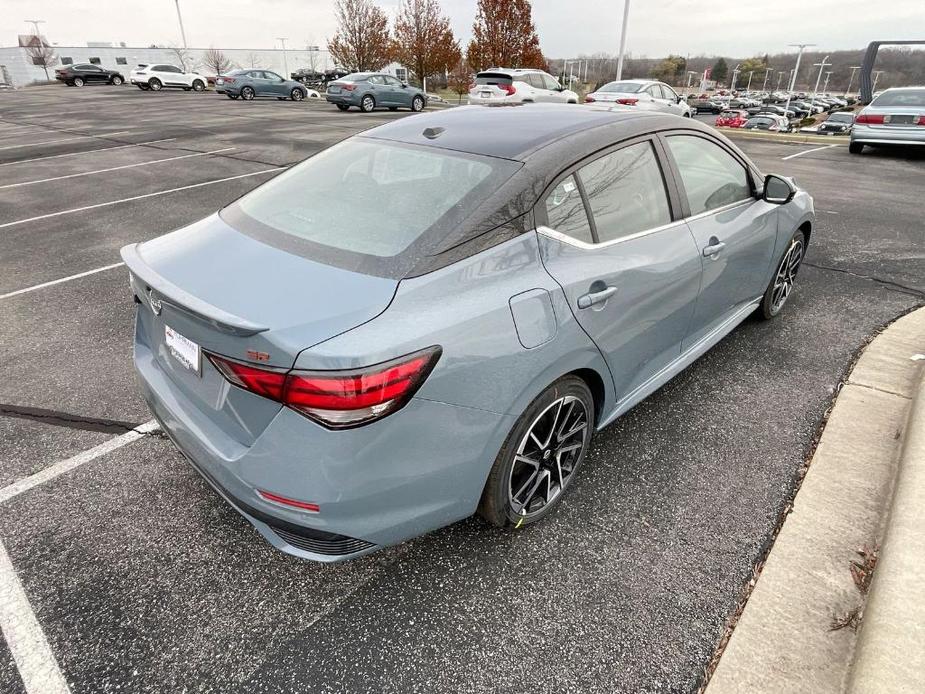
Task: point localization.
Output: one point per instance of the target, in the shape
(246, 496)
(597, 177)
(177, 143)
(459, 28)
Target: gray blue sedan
(251, 84)
(432, 318)
(368, 91)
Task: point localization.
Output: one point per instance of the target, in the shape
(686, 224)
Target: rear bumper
(417, 470)
(348, 100)
(888, 135)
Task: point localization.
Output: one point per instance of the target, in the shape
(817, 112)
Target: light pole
(780, 75)
(764, 85)
(749, 85)
(877, 74)
(282, 40)
(690, 76)
(35, 26)
(821, 67)
(851, 78)
(793, 78)
(180, 19)
(735, 71)
(626, 15)
(825, 87)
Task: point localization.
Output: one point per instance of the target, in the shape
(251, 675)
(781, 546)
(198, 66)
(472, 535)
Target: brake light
(509, 88)
(920, 120)
(627, 101)
(870, 119)
(348, 87)
(336, 399)
(228, 80)
(589, 99)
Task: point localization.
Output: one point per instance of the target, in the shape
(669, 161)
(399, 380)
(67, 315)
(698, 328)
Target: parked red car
(732, 118)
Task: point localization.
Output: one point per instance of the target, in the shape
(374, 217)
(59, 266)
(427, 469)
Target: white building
(17, 68)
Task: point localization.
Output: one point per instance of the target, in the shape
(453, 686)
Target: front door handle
(715, 247)
(592, 298)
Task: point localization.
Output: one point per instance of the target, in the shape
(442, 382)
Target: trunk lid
(208, 288)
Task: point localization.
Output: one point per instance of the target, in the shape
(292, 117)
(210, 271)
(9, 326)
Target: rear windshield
(906, 97)
(622, 87)
(493, 78)
(731, 114)
(365, 202)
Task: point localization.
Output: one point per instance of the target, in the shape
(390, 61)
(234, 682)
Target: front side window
(550, 82)
(711, 176)
(565, 211)
(272, 76)
(668, 92)
(626, 192)
(391, 81)
(375, 199)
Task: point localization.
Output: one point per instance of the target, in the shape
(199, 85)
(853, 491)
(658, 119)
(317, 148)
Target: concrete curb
(890, 653)
(784, 640)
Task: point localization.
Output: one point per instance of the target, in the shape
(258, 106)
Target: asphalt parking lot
(141, 579)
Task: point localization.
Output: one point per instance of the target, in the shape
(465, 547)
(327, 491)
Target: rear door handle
(714, 248)
(591, 298)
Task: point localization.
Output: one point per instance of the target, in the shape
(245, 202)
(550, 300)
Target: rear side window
(711, 176)
(626, 192)
(374, 198)
(566, 213)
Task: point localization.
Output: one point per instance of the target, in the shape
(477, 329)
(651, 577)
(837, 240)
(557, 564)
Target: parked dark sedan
(368, 90)
(85, 73)
(837, 124)
(249, 84)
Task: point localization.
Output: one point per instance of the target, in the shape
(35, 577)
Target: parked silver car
(895, 117)
(432, 318)
(642, 95)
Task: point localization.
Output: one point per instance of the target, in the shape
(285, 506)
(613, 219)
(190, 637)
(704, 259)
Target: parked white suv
(506, 86)
(156, 77)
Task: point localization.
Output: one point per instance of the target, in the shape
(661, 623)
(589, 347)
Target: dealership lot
(141, 579)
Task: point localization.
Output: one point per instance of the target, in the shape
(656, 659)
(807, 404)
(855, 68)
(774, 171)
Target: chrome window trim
(578, 243)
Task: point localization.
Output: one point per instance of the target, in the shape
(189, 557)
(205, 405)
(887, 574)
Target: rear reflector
(869, 119)
(286, 501)
(336, 399)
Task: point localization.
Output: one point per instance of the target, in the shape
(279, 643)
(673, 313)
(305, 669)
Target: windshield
(622, 87)
(372, 198)
(905, 97)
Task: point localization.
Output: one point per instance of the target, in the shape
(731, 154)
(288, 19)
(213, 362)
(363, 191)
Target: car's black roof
(514, 132)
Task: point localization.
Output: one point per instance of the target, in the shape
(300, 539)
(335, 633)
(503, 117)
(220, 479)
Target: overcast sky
(566, 27)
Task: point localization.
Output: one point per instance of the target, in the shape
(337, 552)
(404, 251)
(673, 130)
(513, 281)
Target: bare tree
(423, 39)
(460, 79)
(362, 41)
(253, 60)
(42, 55)
(184, 58)
(216, 61)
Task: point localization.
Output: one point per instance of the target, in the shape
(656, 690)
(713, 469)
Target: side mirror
(778, 190)
(404, 85)
(680, 98)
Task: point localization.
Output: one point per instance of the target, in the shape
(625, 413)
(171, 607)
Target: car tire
(417, 103)
(248, 93)
(78, 82)
(143, 87)
(154, 84)
(367, 103)
(297, 94)
(855, 147)
(506, 501)
(116, 81)
(782, 282)
(343, 107)
(198, 85)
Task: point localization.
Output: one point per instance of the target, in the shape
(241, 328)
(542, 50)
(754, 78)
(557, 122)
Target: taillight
(920, 120)
(589, 99)
(348, 87)
(627, 101)
(870, 119)
(336, 399)
(228, 80)
(509, 88)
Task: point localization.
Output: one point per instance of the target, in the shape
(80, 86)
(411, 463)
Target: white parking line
(138, 197)
(89, 151)
(807, 151)
(66, 139)
(116, 168)
(36, 663)
(63, 279)
(52, 471)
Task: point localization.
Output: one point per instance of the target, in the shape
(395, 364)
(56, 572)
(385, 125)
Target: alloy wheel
(297, 95)
(786, 275)
(417, 104)
(247, 93)
(368, 104)
(548, 455)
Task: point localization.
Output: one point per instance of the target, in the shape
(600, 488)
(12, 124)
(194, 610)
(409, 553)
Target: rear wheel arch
(807, 229)
(595, 384)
